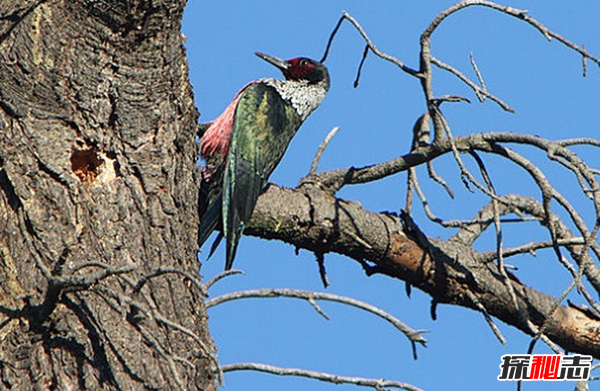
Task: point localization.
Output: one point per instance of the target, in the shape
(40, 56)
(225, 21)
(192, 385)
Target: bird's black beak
(274, 61)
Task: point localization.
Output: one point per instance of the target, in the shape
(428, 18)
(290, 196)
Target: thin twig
(478, 90)
(584, 62)
(579, 141)
(541, 332)
(222, 275)
(165, 270)
(330, 41)
(377, 384)
(421, 132)
(487, 317)
(430, 215)
(370, 45)
(360, 66)
(479, 77)
(549, 192)
(514, 12)
(530, 248)
(429, 152)
(170, 358)
(499, 237)
(318, 308)
(413, 335)
(156, 316)
(315, 163)
(438, 179)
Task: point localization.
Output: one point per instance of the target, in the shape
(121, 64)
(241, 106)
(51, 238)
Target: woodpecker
(246, 142)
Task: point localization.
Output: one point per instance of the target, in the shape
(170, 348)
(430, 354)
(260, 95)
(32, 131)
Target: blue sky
(540, 79)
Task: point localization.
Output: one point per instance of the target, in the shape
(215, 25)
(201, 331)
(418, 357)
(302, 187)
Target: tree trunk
(98, 199)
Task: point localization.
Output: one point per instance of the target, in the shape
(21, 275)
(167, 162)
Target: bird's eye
(303, 62)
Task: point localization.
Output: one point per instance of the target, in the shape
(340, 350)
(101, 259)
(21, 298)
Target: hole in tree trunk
(86, 164)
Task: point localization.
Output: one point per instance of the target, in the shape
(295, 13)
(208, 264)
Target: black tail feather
(215, 244)
(209, 221)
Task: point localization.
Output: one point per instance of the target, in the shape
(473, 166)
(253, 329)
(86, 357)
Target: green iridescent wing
(263, 128)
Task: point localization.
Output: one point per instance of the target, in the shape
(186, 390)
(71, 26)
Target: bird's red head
(299, 69)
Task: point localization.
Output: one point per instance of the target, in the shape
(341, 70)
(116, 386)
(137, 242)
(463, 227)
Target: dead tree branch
(377, 384)
(413, 335)
(445, 270)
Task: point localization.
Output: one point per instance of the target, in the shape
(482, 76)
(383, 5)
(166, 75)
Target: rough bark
(98, 189)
